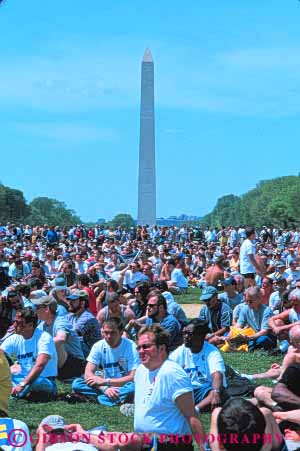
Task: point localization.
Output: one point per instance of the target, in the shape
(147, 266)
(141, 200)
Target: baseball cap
(44, 300)
(208, 292)
(279, 264)
(77, 294)
(218, 257)
(60, 283)
(36, 294)
(229, 281)
(55, 422)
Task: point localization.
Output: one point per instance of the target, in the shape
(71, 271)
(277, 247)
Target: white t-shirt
(27, 350)
(14, 435)
(201, 365)
(155, 399)
(116, 362)
(247, 248)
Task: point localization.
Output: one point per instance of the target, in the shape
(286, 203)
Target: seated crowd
(88, 308)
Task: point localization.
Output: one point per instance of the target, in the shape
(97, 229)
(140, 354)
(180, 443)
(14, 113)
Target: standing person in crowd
(248, 262)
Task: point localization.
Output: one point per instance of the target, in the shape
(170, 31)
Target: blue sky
(227, 99)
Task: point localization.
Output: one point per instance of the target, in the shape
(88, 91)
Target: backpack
(236, 384)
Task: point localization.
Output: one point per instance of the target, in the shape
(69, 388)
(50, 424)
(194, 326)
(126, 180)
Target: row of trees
(273, 202)
(42, 210)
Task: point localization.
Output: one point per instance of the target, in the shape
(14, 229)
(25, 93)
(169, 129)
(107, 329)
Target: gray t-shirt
(257, 319)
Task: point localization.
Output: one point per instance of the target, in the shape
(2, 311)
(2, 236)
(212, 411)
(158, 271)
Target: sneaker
(127, 409)
(74, 398)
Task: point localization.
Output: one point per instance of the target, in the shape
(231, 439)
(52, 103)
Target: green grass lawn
(192, 297)
(91, 414)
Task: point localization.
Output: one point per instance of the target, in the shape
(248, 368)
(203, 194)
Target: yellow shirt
(5, 383)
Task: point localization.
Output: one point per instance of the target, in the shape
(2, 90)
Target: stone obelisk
(147, 182)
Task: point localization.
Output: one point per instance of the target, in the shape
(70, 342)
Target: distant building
(101, 221)
(177, 220)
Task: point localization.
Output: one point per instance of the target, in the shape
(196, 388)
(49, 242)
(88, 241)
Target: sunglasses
(145, 346)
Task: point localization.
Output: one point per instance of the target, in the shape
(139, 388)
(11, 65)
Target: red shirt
(92, 300)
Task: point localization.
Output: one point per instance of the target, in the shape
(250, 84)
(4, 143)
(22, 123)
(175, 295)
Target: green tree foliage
(52, 212)
(123, 220)
(13, 207)
(273, 202)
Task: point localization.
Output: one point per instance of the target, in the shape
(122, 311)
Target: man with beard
(158, 313)
(83, 321)
(204, 365)
(216, 313)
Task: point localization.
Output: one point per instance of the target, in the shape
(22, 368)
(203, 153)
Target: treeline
(273, 202)
(42, 210)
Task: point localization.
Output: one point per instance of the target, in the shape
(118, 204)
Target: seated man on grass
(118, 358)
(36, 356)
(256, 315)
(216, 313)
(204, 365)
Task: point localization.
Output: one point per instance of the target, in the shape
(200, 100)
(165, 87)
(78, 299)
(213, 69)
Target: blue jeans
(126, 392)
(265, 341)
(40, 384)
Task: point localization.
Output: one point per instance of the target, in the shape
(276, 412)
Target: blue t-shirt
(170, 323)
(61, 324)
(232, 302)
(257, 319)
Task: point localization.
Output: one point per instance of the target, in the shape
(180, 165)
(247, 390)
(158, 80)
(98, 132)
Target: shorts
(249, 275)
(73, 367)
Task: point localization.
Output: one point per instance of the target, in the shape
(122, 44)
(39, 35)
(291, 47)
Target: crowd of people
(99, 308)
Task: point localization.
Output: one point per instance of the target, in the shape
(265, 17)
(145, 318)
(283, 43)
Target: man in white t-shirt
(36, 355)
(248, 263)
(118, 358)
(203, 364)
(163, 395)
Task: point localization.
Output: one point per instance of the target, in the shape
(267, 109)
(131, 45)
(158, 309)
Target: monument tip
(147, 58)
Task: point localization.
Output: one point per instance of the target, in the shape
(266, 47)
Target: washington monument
(147, 183)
